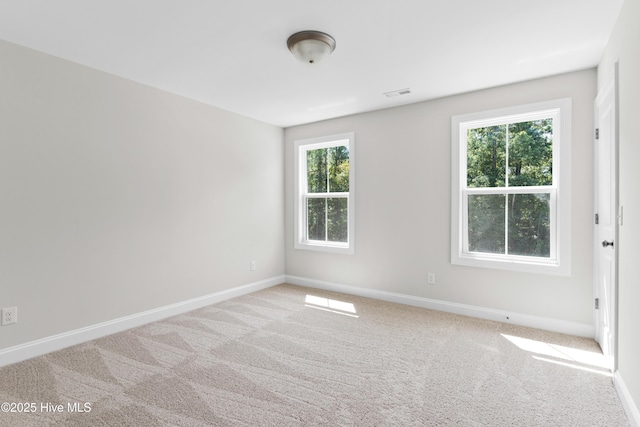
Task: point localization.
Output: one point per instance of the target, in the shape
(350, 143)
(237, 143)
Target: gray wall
(624, 47)
(116, 198)
(403, 205)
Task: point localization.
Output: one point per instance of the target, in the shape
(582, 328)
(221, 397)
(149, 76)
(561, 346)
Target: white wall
(624, 47)
(116, 198)
(403, 188)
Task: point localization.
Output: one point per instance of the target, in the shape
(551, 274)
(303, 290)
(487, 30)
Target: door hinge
(597, 219)
(597, 304)
(597, 133)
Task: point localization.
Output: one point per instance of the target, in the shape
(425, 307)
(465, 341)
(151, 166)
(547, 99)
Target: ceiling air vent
(397, 93)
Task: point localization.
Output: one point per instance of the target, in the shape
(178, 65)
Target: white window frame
(559, 263)
(300, 193)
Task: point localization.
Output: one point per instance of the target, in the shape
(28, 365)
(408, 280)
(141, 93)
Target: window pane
(486, 223)
(529, 225)
(486, 156)
(338, 227)
(317, 171)
(316, 209)
(530, 153)
(338, 159)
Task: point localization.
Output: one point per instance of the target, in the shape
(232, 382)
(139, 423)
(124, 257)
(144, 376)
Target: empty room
(408, 213)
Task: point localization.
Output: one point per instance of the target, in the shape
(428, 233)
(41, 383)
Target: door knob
(605, 244)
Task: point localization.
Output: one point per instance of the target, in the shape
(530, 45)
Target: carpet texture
(293, 356)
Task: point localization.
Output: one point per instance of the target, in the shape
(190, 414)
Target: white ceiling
(233, 54)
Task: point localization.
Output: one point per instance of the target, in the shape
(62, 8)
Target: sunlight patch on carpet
(331, 305)
(574, 366)
(570, 357)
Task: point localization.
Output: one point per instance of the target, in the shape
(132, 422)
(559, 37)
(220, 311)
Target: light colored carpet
(292, 356)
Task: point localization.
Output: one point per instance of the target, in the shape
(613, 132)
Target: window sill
(325, 247)
(522, 265)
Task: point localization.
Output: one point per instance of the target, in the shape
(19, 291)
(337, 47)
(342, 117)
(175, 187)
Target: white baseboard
(56, 342)
(627, 401)
(555, 325)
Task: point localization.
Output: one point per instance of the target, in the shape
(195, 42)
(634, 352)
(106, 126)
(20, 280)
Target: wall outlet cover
(9, 316)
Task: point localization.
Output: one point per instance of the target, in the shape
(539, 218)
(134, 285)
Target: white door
(606, 207)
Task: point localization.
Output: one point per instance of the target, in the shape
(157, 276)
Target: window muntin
(507, 178)
(325, 191)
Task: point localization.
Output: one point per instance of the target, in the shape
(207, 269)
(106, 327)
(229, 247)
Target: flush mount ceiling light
(311, 46)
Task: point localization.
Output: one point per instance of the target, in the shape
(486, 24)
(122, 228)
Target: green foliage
(527, 148)
(316, 219)
(529, 232)
(328, 172)
(337, 228)
(530, 153)
(486, 157)
(317, 171)
(486, 223)
(338, 168)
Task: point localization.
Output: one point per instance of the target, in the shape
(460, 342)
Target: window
(325, 192)
(511, 188)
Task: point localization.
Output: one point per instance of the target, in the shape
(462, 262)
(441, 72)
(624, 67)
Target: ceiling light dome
(311, 46)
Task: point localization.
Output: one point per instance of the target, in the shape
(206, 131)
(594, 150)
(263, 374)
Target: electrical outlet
(252, 265)
(431, 278)
(9, 316)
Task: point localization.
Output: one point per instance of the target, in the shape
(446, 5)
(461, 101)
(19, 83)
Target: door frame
(610, 84)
